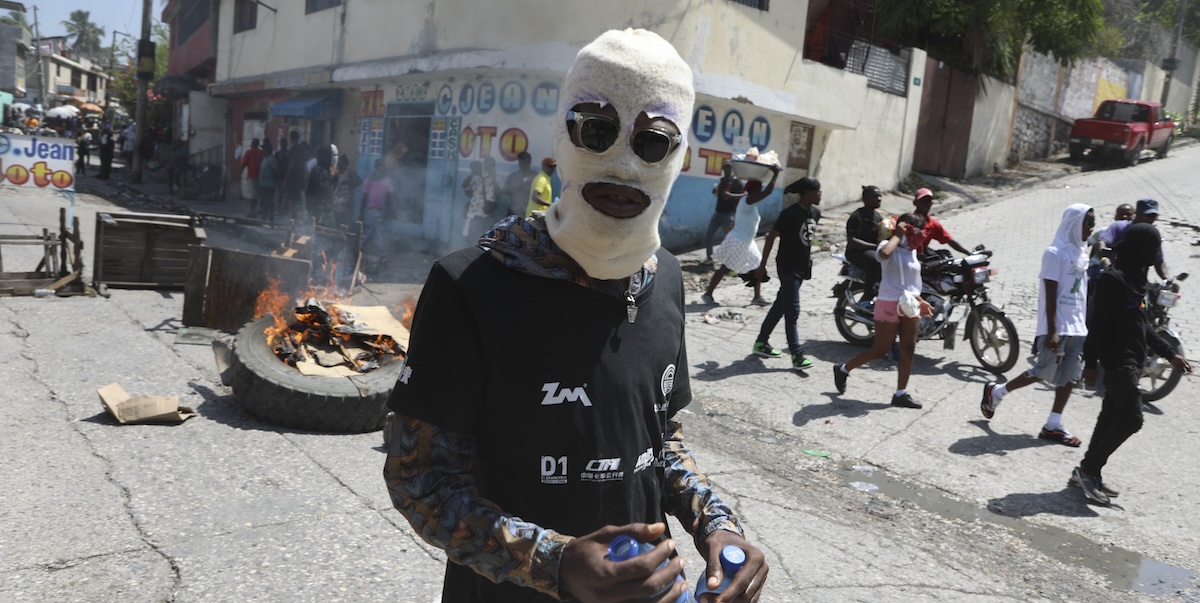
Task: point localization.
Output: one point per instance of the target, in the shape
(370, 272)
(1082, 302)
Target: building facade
(55, 77)
(431, 88)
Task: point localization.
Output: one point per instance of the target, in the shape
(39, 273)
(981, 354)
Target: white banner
(34, 161)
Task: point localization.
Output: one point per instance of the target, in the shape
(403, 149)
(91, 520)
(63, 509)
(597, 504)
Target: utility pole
(140, 118)
(43, 72)
(1179, 16)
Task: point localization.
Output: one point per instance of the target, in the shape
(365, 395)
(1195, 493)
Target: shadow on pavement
(226, 410)
(1068, 502)
(710, 370)
(995, 443)
(836, 407)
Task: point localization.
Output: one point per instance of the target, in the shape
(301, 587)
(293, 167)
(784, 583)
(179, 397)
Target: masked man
(524, 470)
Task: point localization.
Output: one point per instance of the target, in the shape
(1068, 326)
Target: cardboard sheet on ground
(376, 320)
(142, 409)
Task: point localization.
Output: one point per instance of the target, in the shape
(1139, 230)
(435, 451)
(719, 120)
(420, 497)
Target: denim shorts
(1050, 369)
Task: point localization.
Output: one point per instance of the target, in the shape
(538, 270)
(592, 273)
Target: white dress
(738, 252)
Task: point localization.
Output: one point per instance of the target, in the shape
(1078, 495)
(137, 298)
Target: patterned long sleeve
(687, 493)
(428, 474)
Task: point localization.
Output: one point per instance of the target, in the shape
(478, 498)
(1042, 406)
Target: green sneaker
(765, 350)
(800, 363)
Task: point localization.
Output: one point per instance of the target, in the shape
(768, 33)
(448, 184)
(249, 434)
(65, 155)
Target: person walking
(900, 278)
(319, 185)
(541, 194)
(377, 193)
(251, 165)
(107, 146)
(268, 182)
(1119, 335)
(295, 176)
(723, 214)
(517, 185)
(344, 210)
(525, 472)
(738, 253)
(1062, 323)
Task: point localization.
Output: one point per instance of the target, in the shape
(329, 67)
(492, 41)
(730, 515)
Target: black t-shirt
(796, 227)
(726, 203)
(864, 224)
(566, 400)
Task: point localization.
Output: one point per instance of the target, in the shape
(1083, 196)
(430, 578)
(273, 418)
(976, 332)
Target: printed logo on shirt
(602, 470)
(667, 383)
(644, 460)
(555, 395)
(405, 371)
(554, 470)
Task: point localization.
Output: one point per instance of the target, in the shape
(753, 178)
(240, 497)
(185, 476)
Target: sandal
(1061, 436)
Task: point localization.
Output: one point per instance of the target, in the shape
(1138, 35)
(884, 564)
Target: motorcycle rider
(862, 237)
(1147, 213)
(1118, 337)
(1062, 323)
(933, 229)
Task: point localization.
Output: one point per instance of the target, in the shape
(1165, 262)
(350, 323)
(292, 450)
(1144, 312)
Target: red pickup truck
(1123, 128)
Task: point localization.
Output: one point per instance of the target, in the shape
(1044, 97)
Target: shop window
(312, 6)
(759, 4)
(245, 15)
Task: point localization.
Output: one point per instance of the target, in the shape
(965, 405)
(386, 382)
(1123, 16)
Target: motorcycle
(1159, 378)
(957, 291)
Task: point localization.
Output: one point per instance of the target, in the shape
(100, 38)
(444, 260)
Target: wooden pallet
(52, 273)
(144, 251)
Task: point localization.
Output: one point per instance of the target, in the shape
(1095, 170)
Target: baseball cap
(549, 161)
(1148, 207)
(922, 193)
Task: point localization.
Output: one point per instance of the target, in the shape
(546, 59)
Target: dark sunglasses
(597, 133)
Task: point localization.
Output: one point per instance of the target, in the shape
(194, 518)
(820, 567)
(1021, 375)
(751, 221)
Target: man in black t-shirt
(795, 228)
(524, 470)
(862, 235)
(722, 218)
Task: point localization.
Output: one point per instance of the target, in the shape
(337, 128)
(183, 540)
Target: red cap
(922, 193)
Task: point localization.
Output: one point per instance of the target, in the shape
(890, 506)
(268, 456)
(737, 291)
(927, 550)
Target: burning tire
(279, 394)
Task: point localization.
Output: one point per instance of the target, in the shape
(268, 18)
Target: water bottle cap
(732, 558)
(623, 547)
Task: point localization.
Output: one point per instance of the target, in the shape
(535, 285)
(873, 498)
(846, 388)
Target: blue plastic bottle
(625, 547)
(732, 560)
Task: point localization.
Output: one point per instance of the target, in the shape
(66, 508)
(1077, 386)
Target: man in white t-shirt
(1062, 303)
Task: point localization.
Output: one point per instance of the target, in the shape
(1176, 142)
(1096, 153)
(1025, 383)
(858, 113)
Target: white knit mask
(634, 71)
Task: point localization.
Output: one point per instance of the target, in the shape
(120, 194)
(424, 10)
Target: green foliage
(1164, 12)
(125, 83)
(87, 35)
(16, 18)
(988, 36)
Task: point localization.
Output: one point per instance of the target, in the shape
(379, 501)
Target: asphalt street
(851, 499)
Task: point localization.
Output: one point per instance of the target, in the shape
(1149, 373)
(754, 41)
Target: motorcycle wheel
(1159, 378)
(852, 330)
(994, 340)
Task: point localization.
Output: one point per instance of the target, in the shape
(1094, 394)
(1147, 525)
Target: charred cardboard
(142, 409)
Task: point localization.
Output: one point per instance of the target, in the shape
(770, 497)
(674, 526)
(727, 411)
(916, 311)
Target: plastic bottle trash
(626, 547)
(43, 292)
(732, 560)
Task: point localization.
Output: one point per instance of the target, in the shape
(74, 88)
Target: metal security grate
(884, 70)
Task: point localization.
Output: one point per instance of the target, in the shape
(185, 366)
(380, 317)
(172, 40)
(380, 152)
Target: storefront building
(465, 91)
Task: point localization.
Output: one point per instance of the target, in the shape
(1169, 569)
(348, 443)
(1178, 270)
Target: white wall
(991, 126)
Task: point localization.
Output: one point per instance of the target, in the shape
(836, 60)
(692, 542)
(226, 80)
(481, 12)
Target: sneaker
(707, 262)
(800, 363)
(765, 350)
(708, 299)
(839, 378)
(1061, 436)
(988, 404)
(758, 301)
(905, 401)
(1091, 487)
(1098, 481)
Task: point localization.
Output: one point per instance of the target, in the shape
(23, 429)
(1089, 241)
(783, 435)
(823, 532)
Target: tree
(988, 36)
(16, 18)
(125, 85)
(87, 35)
